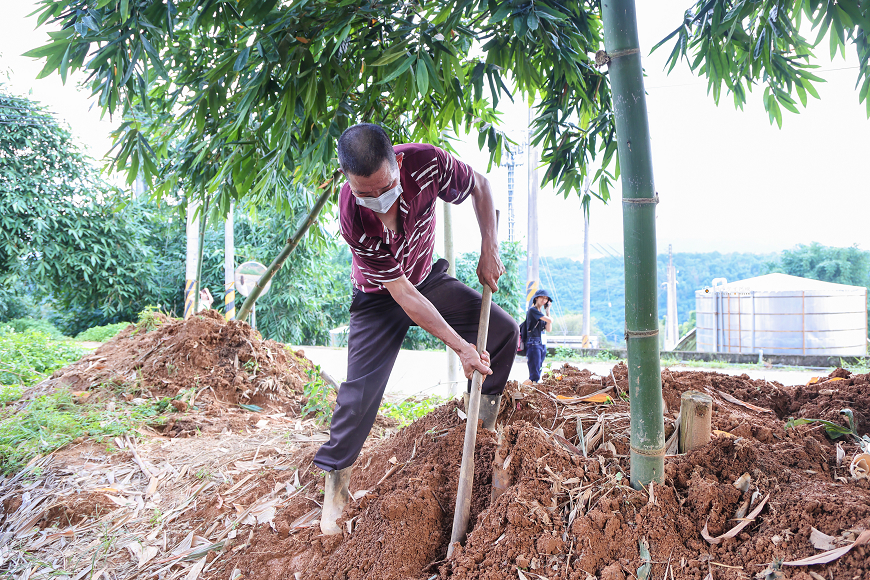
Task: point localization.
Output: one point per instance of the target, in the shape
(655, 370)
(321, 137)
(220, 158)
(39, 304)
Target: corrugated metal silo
(781, 314)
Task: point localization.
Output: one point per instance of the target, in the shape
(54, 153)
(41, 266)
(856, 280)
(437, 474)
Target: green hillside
(564, 277)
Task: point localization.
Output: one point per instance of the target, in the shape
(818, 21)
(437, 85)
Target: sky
(728, 181)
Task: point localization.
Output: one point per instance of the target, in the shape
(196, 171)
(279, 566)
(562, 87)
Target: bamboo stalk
(285, 252)
(638, 191)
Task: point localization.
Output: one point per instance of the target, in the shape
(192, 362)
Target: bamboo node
(660, 452)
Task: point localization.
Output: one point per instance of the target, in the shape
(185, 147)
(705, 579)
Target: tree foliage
(828, 264)
(43, 173)
(228, 97)
(743, 43)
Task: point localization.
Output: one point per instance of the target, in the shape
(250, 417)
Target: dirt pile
(566, 515)
(220, 362)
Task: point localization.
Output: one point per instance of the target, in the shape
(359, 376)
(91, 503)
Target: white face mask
(383, 202)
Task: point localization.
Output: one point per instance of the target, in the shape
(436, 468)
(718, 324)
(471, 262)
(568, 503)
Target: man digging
(387, 217)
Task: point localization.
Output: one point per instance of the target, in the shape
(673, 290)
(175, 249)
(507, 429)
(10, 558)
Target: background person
(539, 321)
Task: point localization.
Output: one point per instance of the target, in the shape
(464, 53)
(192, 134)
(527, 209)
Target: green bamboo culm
(638, 210)
(285, 252)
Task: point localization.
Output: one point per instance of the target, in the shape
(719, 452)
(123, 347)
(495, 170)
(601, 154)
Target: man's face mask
(383, 202)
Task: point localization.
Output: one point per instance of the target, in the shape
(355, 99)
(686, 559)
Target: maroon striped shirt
(380, 255)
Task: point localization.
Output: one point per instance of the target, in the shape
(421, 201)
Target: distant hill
(694, 271)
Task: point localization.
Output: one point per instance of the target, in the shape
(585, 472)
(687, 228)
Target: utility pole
(672, 329)
(453, 374)
(587, 279)
(532, 276)
(587, 285)
(513, 161)
(191, 291)
(229, 267)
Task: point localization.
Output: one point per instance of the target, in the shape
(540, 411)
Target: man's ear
(399, 157)
(342, 172)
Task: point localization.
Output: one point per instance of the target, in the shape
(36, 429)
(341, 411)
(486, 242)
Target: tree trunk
(639, 201)
(288, 248)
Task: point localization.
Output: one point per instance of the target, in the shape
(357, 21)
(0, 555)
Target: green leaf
(392, 54)
(422, 80)
(242, 59)
(532, 21)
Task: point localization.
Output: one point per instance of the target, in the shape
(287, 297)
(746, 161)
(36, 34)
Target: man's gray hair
(363, 148)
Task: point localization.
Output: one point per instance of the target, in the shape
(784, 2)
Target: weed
(52, 421)
(409, 410)
(836, 431)
(10, 394)
(156, 517)
(149, 319)
(28, 357)
(251, 366)
(203, 473)
(317, 396)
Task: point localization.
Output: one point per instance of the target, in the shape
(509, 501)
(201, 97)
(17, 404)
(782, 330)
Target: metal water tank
(782, 314)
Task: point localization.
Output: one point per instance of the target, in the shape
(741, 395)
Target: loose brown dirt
(569, 516)
(204, 362)
(564, 514)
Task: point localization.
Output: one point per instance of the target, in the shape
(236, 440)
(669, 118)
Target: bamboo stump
(696, 410)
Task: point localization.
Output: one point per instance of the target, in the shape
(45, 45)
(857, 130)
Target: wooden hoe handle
(466, 471)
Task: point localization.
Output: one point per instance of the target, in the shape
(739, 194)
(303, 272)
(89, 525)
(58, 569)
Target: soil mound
(224, 362)
(566, 515)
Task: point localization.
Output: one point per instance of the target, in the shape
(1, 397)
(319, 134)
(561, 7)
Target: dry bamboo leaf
(831, 555)
(738, 528)
(841, 454)
(305, 521)
(822, 541)
(152, 487)
(196, 569)
(737, 401)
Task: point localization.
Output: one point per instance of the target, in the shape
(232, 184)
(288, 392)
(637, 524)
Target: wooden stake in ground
(696, 411)
(466, 471)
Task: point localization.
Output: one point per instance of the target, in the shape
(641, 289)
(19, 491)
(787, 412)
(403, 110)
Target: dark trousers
(535, 355)
(377, 327)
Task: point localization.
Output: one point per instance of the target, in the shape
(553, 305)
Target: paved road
(423, 373)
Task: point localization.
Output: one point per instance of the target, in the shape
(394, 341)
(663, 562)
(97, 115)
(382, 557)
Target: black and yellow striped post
(531, 287)
(189, 297)
(230, 301)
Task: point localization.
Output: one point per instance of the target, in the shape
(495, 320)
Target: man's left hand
(490, 269)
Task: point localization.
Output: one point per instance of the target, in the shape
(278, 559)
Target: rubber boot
(489, 406)
(335, 497)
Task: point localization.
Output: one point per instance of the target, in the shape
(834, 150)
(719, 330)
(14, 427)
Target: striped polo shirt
(380, 255)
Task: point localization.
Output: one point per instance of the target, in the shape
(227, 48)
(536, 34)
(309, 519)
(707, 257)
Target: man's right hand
(472, 361)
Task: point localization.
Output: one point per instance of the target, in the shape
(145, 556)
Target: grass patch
(28, 357)
(49, 422)
(101, 333)
(409, 410)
